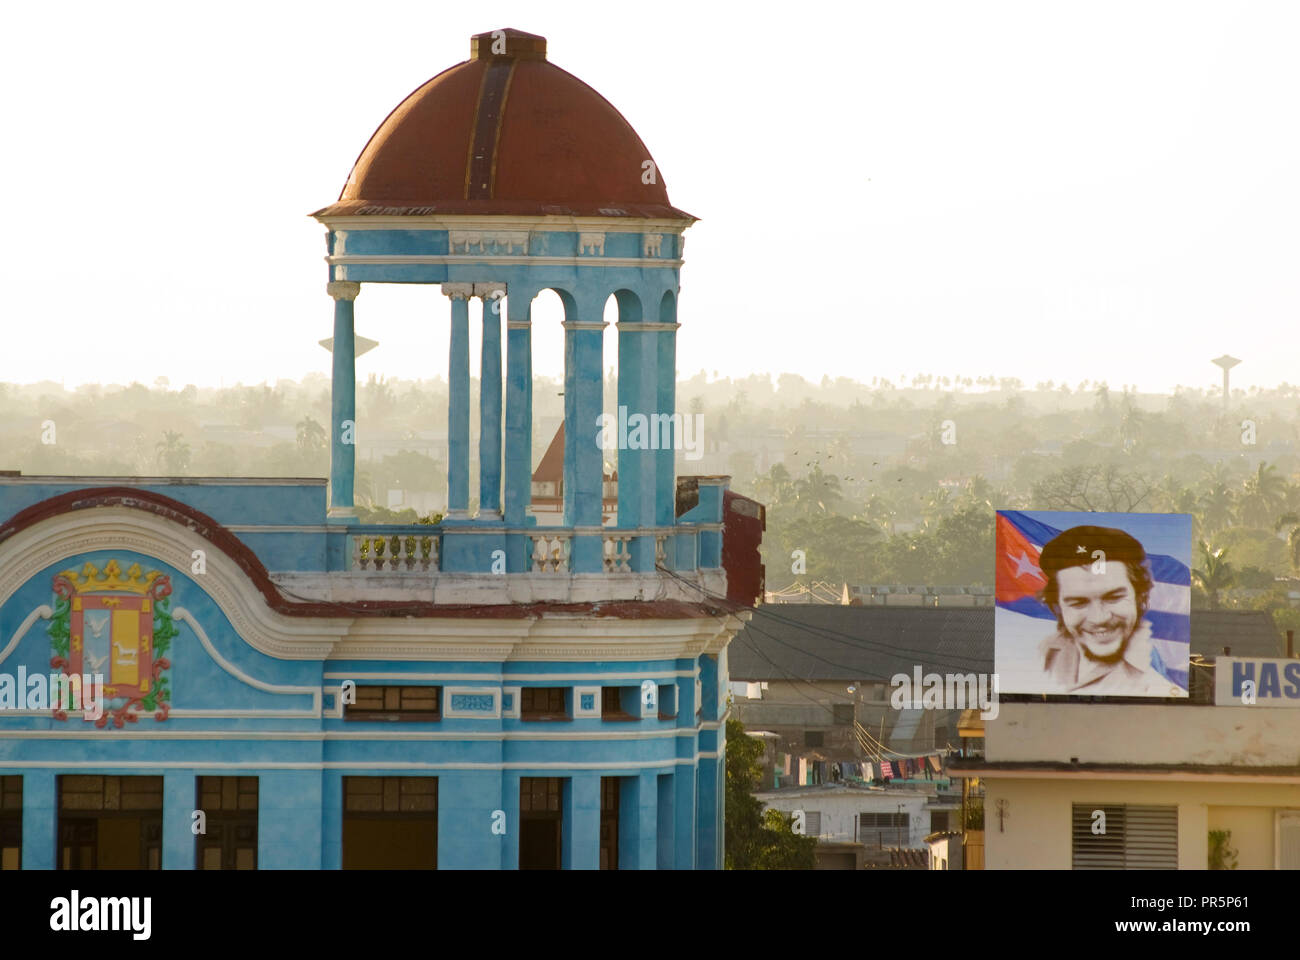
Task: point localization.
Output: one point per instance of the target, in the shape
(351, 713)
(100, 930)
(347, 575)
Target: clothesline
(810, 773)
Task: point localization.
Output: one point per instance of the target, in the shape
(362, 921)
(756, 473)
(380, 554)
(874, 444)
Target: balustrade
(395, 552)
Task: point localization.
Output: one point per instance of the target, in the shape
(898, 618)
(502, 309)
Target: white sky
(1047, 191)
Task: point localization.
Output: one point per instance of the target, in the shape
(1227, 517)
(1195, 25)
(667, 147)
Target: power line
(856, 669)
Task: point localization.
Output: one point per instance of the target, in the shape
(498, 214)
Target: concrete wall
(1036, 829)
(838, 809)
(1253, 834)
(784, 708)
(1134, 734)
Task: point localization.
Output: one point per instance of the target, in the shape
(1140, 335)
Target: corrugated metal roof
(827, 642)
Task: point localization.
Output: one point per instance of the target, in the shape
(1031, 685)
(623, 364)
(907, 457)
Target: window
(882, 821)
(1135, 837)
(1288, 840)
(812, 823)
(883, 829)
(667, 701)
(110, 823)
(390, 823)
(395, 703)
(843, 713)
(540, 823)
(230, 805)
(609, 823)
(614, 703)
(938, 820)
(814, 738)
(542, 703)
(11, 822)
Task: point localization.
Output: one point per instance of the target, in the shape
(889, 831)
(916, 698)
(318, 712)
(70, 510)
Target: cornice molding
(564, 636)
(52, 541)
(488, 259)
(646, 327)
(484, 224)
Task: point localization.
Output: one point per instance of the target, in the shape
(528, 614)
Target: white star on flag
(1025, 565)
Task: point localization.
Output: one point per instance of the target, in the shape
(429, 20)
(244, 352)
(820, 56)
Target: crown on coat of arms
(110, 578)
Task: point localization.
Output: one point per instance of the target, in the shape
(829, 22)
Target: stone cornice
(491, 259)
(100, 520)
(646, 327)
(556, 224)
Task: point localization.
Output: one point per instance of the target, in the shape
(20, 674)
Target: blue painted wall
(670, 791)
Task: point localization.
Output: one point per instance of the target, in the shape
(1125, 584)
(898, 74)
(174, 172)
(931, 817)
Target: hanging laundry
(785, 764)
(868, 774)
(823, 772)
(886, 770)
(803, 772)
(934, 762)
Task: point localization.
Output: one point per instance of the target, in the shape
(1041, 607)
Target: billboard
(1093, 604)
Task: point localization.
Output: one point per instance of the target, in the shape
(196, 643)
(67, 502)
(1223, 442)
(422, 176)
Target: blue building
(282, 686)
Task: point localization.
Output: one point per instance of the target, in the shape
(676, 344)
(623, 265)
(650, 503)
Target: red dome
(504, 133)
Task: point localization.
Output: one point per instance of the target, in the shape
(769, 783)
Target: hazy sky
(1040, 190)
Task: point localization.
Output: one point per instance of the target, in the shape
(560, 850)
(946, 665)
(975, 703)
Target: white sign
(1240, 681)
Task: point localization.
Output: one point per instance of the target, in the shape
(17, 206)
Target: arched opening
(402, 396)
(550, 308)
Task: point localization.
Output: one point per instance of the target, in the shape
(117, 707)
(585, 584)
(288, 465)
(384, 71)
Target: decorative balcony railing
(551, 553)
(421, 548)
(618, 552)
(404, 551)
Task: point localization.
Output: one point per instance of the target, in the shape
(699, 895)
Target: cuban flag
(1022, 620)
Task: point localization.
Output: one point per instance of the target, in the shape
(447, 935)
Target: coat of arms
(120, 628)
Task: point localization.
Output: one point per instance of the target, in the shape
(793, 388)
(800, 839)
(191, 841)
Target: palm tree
(1169, 492)
(937, 506)
(1214, 574)
(173, 454)
(980, 492)
(1263, 494)
(311, 435)
(879, 511)
(1130, 424)
(820, 488)
(1292, 537)
(1217, 505)
(775, 489)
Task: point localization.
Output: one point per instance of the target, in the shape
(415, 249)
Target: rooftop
(505, 133)
(828, 642)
